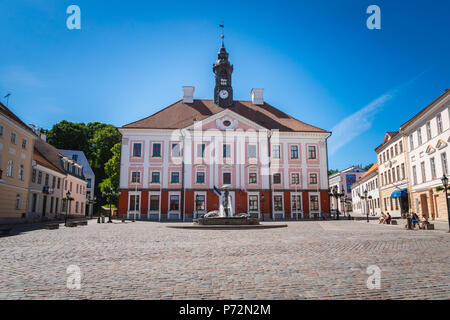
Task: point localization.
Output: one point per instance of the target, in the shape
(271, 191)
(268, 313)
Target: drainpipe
(270, 175)
(183, 195)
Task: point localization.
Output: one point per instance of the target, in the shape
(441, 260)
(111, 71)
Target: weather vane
(223, 35)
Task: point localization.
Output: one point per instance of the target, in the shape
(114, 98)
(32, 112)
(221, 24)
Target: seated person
(388, 218)
(414, 220)
(423, 223)
(382, 218)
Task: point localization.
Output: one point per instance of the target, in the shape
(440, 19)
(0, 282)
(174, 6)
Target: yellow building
(16, 155)
(393, 174)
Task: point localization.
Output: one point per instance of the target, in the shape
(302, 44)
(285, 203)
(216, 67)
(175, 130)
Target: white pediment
(430, 149)
(441, 144)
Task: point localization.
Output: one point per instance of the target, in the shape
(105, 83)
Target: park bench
(52, 226)
(71, 224)
(82, 223)
(5, 231)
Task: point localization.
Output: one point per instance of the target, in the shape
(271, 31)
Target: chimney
(257, 96)
(188, 94)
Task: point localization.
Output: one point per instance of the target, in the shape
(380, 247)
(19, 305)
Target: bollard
(98, 220)
(103, 219)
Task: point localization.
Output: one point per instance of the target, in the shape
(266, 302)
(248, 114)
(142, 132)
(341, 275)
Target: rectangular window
(154, 203)
(296, 203)
(313, 178)
(392, 152)
(174, 203)
(75, 157)
(18, 202)
(278, 203)
(22, 172)
(422, 168)
(10, 169)
(439, 123)
(89, 182)
(176, 152)
(411, 142)
(312, 152)
(175, 177)
(200, 203)
(252, 178)
(253, 203)
(398, 173)
(400, 146)
(24, 143)
(433, 168)
(134, 203)
(295, 178)
(54, 182)
(33, 176)
(137, 150)
(226, 151)
(135, 177)
(155, 177)
(314, 202)
(276, 152)
(294, 152)
(393, 175)
(13, 138)
(277, 178)
(227, 178)
(419, 136)
(396, 149)
(201, 150)
(403, 171)
(444, 162)
(156, 153)
(200, 177)
(40, 178)
(2, 130)
(414, 175)
(252, 151)
(428, 130)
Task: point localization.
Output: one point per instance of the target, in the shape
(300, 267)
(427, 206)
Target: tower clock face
(223, 94)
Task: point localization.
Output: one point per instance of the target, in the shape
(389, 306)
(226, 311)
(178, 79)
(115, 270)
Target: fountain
(225, 214)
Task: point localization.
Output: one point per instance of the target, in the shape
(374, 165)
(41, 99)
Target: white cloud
(361, 121)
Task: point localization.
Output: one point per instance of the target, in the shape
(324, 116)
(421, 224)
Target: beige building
(16, 155)
(428, 136)
(393, 174)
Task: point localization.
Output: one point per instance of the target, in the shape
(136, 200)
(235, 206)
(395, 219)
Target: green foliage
(332, 171)
(366, 168)
(112, 166)
(97, 141)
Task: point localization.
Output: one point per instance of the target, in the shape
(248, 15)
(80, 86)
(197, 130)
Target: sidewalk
(439, 225)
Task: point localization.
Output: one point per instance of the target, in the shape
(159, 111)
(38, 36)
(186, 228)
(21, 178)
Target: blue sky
(316, 60)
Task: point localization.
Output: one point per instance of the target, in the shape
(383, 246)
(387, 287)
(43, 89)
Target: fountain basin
(220, 221)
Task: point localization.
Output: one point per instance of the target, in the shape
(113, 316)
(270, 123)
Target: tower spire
(223, 34)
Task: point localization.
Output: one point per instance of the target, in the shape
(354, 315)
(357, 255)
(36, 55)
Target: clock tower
(223, 91)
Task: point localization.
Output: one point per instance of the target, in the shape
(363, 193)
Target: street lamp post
(260, 209)
(111, 194)
(67, 207)
(367, 205)
(445, 183)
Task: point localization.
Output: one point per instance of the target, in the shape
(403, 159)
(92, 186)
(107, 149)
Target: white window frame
(169, 212)
(293, 194)
(253, 194)
(309, 200)
(154, 193)
(200, 193)
(130, 212)
(282, 204)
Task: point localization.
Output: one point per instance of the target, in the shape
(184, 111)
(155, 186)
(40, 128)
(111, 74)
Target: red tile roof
(372, 169)
(181, 115)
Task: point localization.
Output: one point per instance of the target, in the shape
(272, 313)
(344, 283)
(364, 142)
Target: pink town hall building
(174, 161)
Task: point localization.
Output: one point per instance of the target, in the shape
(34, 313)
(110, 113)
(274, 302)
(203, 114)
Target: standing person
(408, 221)
(382, 218)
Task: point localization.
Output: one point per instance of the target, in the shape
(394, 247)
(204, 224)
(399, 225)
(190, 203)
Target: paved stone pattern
(306, 260)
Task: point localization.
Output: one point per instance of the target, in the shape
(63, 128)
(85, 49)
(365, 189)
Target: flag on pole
(217, 191)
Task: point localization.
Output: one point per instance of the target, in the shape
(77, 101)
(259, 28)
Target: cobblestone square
(147, 260)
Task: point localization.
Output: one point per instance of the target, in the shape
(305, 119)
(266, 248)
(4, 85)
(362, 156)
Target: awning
(403, 193)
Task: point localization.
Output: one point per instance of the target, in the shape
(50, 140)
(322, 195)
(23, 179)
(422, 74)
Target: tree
(366, 168)
(112, 167)
(70, 136)
(332, 171)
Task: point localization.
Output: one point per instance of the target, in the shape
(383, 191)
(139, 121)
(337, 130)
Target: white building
(371, 204)
(428, 136)
(341, 182)
(88, 173)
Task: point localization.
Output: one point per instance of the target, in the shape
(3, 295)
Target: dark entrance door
(44, 206)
